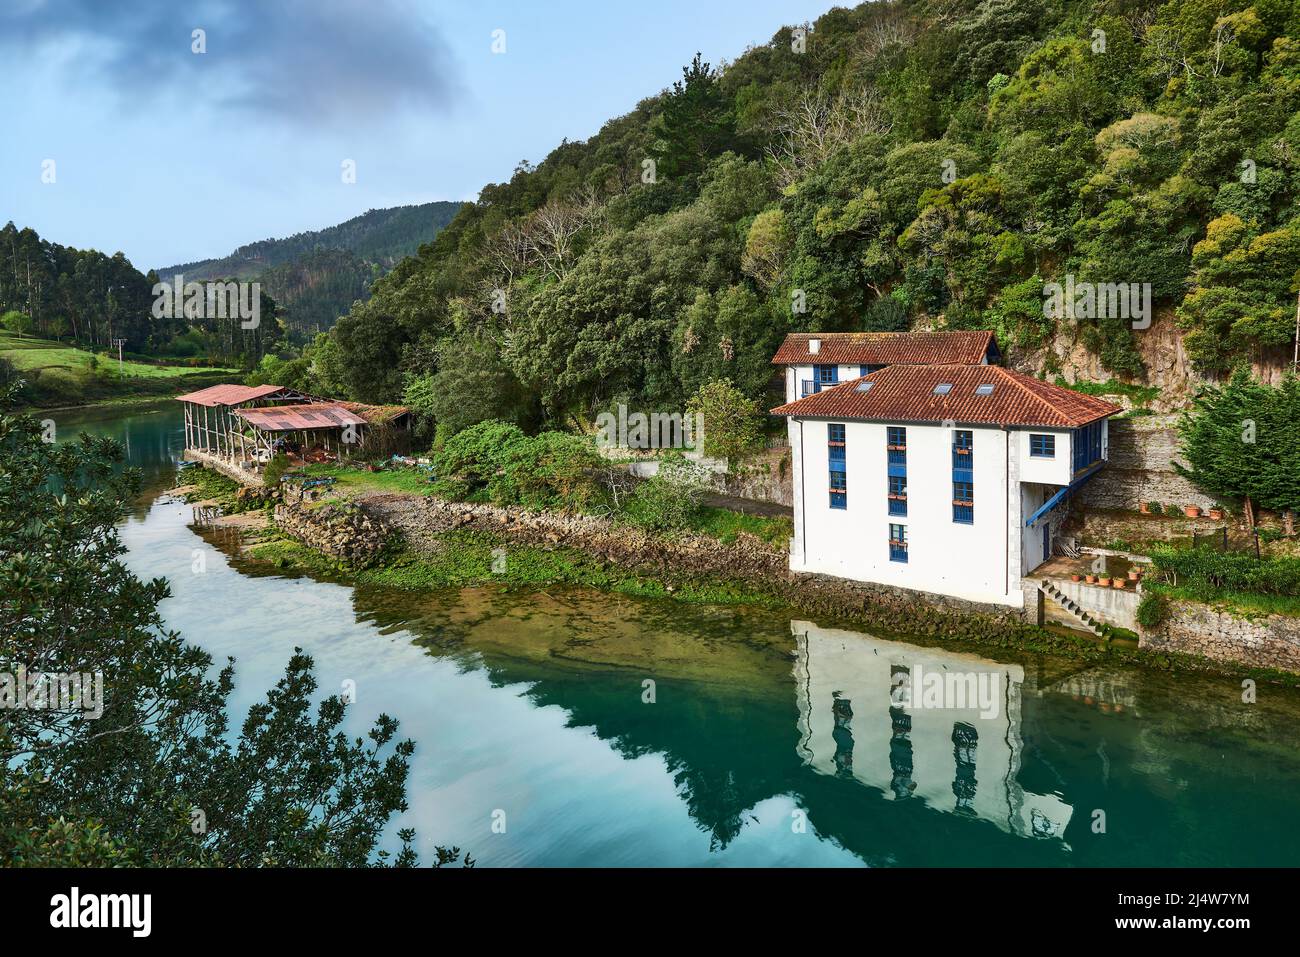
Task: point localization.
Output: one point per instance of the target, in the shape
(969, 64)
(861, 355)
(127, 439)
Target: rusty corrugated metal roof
(294, 418)
(967, 347)
(376, 414)
(906, 393)
(229, 394)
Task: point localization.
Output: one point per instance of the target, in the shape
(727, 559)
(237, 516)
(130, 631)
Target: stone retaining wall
(1270, 641)
(421, 521)
(343, 531)
(1140, 468)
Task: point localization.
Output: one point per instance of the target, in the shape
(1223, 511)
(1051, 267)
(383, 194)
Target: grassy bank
(61, 375)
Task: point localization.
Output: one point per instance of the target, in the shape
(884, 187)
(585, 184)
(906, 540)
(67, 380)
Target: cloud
(305, 61)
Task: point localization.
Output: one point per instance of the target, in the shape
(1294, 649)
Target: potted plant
(1134, 573)
(1151, 508)
(1091, 579)
(1104, 581)
(1075, 577)
(1118, 583)
(1216, 513)
(1172, 510)
(1192, 511)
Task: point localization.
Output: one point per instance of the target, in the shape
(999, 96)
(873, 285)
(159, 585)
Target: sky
(119, 136)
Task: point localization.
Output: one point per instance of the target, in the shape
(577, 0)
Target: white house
(814, 361)
(948, 479)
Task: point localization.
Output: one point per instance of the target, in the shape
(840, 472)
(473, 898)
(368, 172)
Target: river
(593, 729)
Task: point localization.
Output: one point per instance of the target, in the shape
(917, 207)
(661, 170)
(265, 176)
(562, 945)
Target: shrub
(1206, 569)
(274, 469)
(1152, 610)
(733, 423)
(670, 501)
(550, 470)
(470, 459)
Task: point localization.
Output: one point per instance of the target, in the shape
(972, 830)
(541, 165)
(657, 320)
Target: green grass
(350, 480)
(724, 525)
(1243, 604)
(59, 374)
(468, 559)
(1141, 395)
(41, 354)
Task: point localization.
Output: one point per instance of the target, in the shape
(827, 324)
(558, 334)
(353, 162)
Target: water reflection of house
(853, 723)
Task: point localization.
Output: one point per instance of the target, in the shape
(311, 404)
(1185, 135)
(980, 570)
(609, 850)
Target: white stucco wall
(977, 562)
(1053, 471)
(797, 374)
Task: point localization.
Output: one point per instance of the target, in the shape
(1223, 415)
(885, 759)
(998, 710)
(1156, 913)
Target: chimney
(814, 346)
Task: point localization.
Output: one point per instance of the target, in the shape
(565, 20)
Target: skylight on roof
(985, 389)
(865, 385)
(943, 388)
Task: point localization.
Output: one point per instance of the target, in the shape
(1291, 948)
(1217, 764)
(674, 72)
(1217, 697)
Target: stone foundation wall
(344, 531)
(420, 521)
(1271, 641)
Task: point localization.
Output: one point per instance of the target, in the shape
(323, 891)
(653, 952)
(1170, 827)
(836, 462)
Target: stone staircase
(1085, 620)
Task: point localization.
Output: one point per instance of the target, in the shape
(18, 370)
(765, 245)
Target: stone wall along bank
(1270, 641)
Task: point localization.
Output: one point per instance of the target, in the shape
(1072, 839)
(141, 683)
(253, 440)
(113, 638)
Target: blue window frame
(1042, 446)
(896, 444)
(826, 376)
(835, 447)
(963, 502)
(963, 448)
(1086, 443)
(898, 495)
(897, 543)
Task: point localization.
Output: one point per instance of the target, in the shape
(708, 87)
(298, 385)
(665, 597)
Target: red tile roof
(905, 393)
(293, 418)
(886, 348)
(228, 394)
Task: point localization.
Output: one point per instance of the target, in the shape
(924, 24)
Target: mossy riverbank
(473, 558)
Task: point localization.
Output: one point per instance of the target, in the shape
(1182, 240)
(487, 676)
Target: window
(943, 388)
(963, 446)
(1042, 446)
(806, 388)
(985, 389)
(827, 376)
(1086, 444)
(898, 495)
(865, 385)
(835, 438)
(897, 543)
(896, 445)
(963, 502)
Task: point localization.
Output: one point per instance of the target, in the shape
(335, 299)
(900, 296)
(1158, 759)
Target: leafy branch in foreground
(156, 778)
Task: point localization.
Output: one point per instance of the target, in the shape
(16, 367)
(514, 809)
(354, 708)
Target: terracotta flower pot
(1134, 574)
(1103, 582)
(1075, 578)
(1117, 583)
(1192, 511)
(1216, 514)
(1092, 579)
(1144, 508)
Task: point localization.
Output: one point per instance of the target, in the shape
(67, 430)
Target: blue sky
(172, 156)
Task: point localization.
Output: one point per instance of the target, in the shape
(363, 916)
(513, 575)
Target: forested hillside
(315, 276)
(911, 163)
(380, 236)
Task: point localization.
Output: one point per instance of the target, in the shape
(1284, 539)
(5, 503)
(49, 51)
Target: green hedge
(1232, 571)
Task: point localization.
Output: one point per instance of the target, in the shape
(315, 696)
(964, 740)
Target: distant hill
(315, 276)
